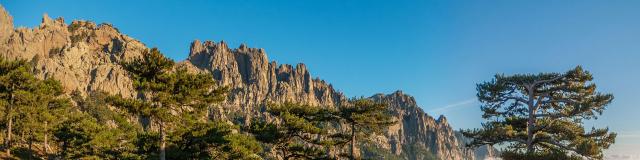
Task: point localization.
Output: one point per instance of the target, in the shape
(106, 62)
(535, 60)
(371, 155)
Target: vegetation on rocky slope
(169, 119)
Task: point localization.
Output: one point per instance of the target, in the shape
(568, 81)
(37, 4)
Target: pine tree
(146, 72)
(31, 105)
(40, 110)
(14, 79)
(364, 116)
(298, 131)
(84, 135)
(164, 91)
(542, 114)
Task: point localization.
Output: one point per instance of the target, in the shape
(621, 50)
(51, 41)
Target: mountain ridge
(85, 56)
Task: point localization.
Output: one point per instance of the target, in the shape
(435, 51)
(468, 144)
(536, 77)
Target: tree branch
(520, 99)
(535, 83)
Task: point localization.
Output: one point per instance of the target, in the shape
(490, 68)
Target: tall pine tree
(95, 131)
(31, 105)
(163, 91)
(364, 116)
(146, 72)
(538, 115)
(40, 110)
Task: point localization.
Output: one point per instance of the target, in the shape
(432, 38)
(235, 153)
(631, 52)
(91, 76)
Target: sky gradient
(434, 50)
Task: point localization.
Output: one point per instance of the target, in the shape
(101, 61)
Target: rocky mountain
(254, 80)
(85, 56)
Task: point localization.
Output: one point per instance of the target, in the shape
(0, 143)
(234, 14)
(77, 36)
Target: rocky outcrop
(418, 129)
(6, 25)
(254, 80)
(485, 152)
(85, 57)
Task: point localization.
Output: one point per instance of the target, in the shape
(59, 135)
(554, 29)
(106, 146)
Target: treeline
(169, 118)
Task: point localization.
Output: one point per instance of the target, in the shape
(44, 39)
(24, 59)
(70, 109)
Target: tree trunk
(531, 120)
(530, 128)
(9, 124)
(30, 147)
(353, 141)
(162, 142)
(46, 138)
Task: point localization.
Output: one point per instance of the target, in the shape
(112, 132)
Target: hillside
(85, 56)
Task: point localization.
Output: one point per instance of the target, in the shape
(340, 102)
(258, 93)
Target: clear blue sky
(434, 50)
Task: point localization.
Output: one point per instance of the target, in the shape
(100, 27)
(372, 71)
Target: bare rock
(82, 56)
(6, 25)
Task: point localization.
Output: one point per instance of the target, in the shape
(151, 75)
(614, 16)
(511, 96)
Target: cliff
(85, 56)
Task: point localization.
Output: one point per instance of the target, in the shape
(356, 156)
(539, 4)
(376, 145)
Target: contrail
(452, 106)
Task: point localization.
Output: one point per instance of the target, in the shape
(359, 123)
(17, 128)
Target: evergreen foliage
(214, 140)
(94, 131)
(364, 116)
(31, 106)
(298, 132)
(162, 92)
(538, 115)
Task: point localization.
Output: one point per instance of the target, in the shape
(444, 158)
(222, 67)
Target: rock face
(417, 129)
(481, 153)
(85, 57)
(254, 81)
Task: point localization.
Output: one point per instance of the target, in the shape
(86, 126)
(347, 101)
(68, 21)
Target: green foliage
(542, 114)
(415, 151)
(543, 155)
(74, 26)
(370, 151)
(80, 37)
(162, 91)
(165, 94)
(214, 140)
(147, 144)
(49, 124)
(409, 151)
(82, 137)
(84, 133)
(31, 105)
(40, 112)
(302, 131)
(364, 116)
(147, 70)
(298, 131)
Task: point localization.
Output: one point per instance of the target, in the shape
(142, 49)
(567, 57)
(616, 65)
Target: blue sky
(434, 50)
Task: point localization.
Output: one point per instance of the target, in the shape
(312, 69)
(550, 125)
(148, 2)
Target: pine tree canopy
(146, 70)
(298, 131)
(167, 96)
(367, 116)
(214, 140)
(543, 113)
(363, 116)
(32, 106)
